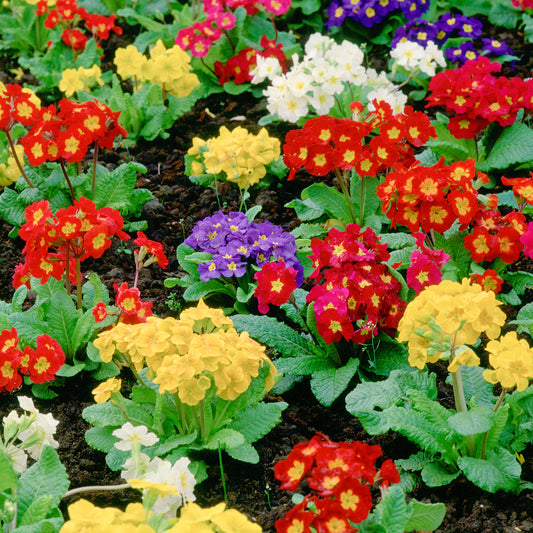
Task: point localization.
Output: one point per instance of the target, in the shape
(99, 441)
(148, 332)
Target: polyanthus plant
(190, 397)
(339, 478)
(223, 253)
(236, 156)
(324, 82)
(479, 438)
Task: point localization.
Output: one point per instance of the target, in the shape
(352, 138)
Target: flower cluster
(190, 355)
(17, 105)
(425, 266)
(67, 14)
(27, 434)
(446, 316)
(494, 236)
(477, 97)
(240, 156)
(170, 68)
(326, 143)
(512, 361)
(80, 79)
(523, 4)
(202, 35)
(449, 26)
(9, 171)
(234, 243)
(67, 134)
(326, 70)
(275, 284)
(54, 243)
(40, 363)
(341, 474)
(240, 67)
(355, 294)
(87, 517)
(413, 57)
(430, 197)
(489, 281)
(372, 12)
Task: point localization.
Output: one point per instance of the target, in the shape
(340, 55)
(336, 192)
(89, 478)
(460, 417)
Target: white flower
(407, 54)
(432, 57)
(130, 435)
(136, 468)
(43, 429)
(317, 45)
(17, 457)
(298, 83)
(322, 101)
(291, 108)
(396, 99)
(267, 67)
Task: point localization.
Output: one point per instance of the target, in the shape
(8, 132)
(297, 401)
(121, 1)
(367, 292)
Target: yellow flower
(81, 79)
(162, 489)
(102, 393)
(9, 171)
(466, 357)
(86, 517)
(129, 62)
(232, 521)
(512, 360)
(191, 391)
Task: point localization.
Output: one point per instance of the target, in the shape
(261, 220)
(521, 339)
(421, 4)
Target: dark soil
(252, 489)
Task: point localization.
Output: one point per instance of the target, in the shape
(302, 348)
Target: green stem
(346, 193)
(69, 183)
(95, 159)
(67, 267)
(17, 160)
(362, 202)
(486, 435)
(78, 283)
(222, 473)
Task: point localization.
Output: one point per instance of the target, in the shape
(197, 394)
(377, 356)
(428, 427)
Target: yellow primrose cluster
(86, 517)
(188, 355)
(512, 360)
(449, 314)
(241, 155)
(9, 171)
(170, 68)
(80, 79)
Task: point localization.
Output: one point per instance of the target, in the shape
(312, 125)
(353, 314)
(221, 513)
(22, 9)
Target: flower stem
(486, 435)
(69, 183)
(95, 159)
(97, 487)
(346, 192)
(17, 160)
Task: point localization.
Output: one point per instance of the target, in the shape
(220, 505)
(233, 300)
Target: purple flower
(414, 8)
(336, 13)
(449, 22)
(470, 27)
(498, 48)
(232, 266)
(462, 53)
(369, 15)
(209, 270)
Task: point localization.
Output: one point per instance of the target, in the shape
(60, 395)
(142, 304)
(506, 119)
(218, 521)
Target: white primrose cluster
(27, 434)
(326, 70)
(413, 56)
(156, 470)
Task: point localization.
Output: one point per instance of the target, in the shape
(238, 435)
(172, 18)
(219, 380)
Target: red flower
(96, 240)
(8, 340)
(155, 249)
(389, 473)
(481, 244)
(489, 281)
(275, 284)
(128, 299)
(46, 360)
(100, 312)
(290, 471)
(354, 498)
(74, 38)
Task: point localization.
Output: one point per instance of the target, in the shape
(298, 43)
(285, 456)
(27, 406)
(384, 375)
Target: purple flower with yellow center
(336, 13)
(232, 266)
(470, 27)
(495, 47)
(237, 224)
(209, 269)
(369, 14)
(464, 52)
(449, 22)
(414, 8)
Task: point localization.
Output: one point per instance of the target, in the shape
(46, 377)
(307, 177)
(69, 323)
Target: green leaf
(101, 438)
(201, 289)
(62, 317)
(473, 421)
(327, 385)
(306, 209)
(438, 473)
(498, 425)
(104, 414)
(303, 365)
(501, 15)
(477, 389)
(8, 477)
(520, 281)
(275, 334)
(256, 421)
(47, 477)
(425, 516)
(38, 510)
(225, 438)
(391, 512)
(499, 471)
(67, 371)
(246, 453)
(174, 442)
(515, 146)
(330, 199)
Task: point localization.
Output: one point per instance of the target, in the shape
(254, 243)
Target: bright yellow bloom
(162, 489)
(241, 156)
(102, 393)
(81, 79)
(129, 61)
(466, 357)
(9, 171)
(447, 315)
(512, 360)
